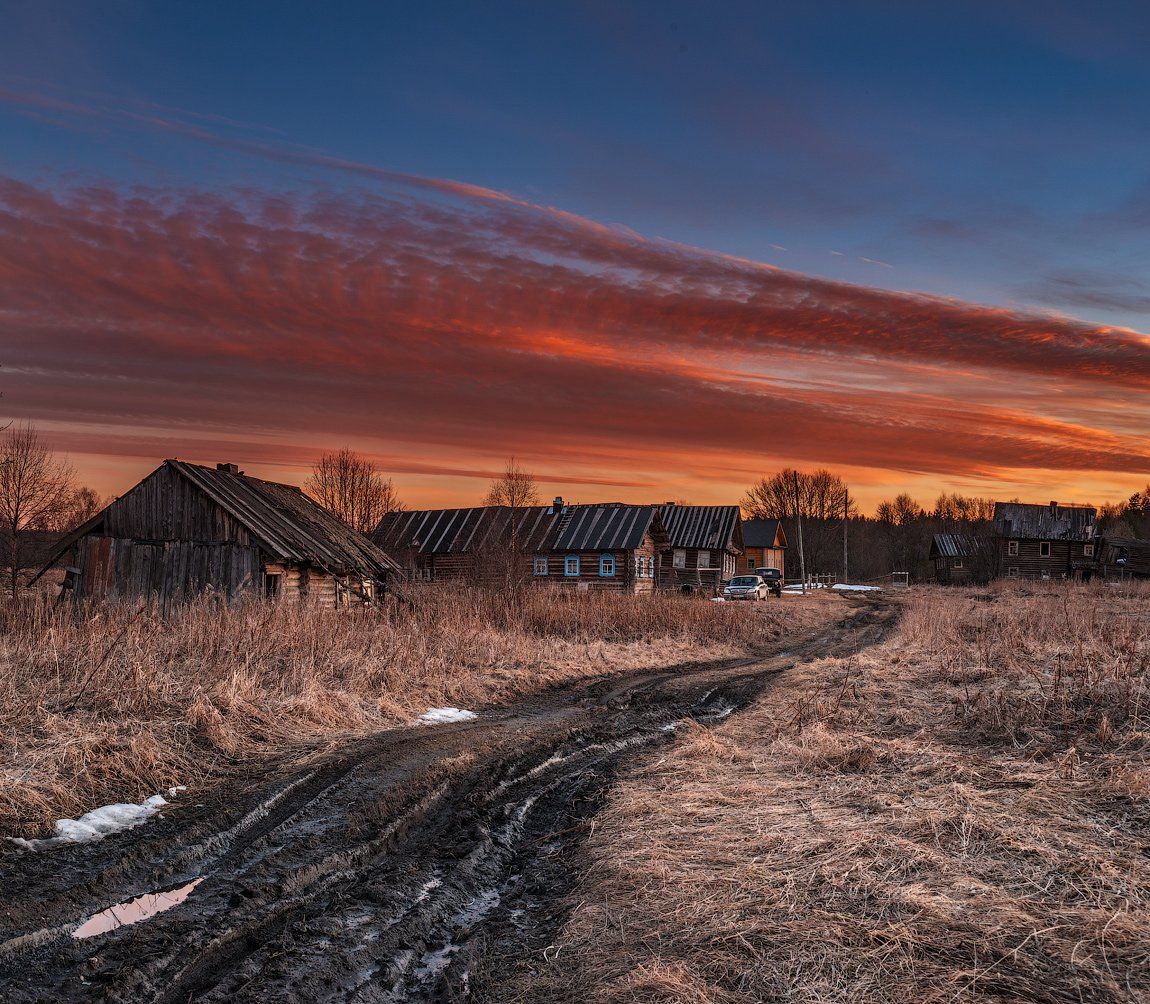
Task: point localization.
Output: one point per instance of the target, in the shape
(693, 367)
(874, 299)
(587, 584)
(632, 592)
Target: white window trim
(605, 560)
(541, 565)
(704, 564)
(679, 558)
(567, 561)
(1088, 550)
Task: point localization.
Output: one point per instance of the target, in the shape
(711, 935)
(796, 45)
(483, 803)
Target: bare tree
(351, 487)
(516, 489)
(78, 507)
(819, 498)
(35, 488)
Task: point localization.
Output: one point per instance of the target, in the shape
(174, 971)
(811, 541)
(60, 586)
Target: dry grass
(959, 814)
(100, 703)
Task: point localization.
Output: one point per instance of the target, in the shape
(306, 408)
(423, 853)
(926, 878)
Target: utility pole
(846, 518)
(799, 518)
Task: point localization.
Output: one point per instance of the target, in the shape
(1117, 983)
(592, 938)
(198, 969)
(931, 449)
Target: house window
(272, 585)
(679, 559)
(540, 564)
(704, 559)
(957, 563)
(1044, 549)
(606, 566)
(1012, 571)
(1088, 550)
(651, 567)
(1012, 547)
(571, 566)
(750, 564)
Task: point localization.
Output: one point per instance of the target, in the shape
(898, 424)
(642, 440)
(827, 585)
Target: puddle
(133, 911)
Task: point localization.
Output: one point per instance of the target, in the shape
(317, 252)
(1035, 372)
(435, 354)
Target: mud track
(422, 864)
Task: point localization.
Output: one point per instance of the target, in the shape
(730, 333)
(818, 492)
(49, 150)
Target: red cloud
(467, 320)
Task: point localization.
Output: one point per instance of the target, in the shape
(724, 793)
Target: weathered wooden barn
(186, 530)
(605, 546)
(764, 545)
(1042, 541)
(1118, 558)
(960, 558)
(704, 545)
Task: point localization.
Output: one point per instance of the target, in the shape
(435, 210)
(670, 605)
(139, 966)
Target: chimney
(1053, 506)
(229, 468)
(557, 505)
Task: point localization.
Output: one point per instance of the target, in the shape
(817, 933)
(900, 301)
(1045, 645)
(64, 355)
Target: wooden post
(799, 518)
(846, 518)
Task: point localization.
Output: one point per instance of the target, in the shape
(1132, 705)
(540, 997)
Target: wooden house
(960, 558)
(186, 530)
(1042, 541)
(704, 545)
(605, 546)
(764, 545)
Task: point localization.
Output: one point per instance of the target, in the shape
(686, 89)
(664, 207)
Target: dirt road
(422, 864)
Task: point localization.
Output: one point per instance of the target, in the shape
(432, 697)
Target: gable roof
(763, 533)
(1043, 522)
(713, 527)
(286, 523)
(540, 528)
(458, 531)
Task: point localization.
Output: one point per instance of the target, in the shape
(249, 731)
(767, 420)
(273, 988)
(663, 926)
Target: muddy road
(424, 864)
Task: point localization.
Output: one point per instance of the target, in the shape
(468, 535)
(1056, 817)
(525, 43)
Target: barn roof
(763, 533)
(1043, 522)
(955, 545)
(714, 527)
(286, 523)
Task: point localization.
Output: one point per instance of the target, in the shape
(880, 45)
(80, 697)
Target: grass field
(959, 814)
(101, 704)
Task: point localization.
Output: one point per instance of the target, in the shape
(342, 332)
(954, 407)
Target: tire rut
(386, 874)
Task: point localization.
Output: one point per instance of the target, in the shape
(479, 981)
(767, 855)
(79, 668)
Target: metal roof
(714, 527)
(457, 531)
(1043, 522)
(955, 545)
(540, 528)
(605, 527)
(762, 533)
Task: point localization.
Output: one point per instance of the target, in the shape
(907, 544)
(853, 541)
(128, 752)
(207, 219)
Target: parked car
(746, 587)
(773, 577)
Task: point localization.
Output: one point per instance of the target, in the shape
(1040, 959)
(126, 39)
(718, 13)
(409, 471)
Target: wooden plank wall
(1031, 564)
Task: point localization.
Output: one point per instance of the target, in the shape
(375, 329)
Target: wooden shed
(186, 530)
(704, 545)
(960, 558)
(764, 545)
(601, 546)
(1042, 541)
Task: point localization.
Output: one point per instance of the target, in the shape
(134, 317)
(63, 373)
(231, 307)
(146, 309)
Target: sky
(653, 251)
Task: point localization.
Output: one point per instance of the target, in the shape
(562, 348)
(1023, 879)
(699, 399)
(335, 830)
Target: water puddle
(133, 911)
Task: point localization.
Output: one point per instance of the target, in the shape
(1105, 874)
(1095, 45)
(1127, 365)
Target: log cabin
(1042, 541)
(602, 546)
(186, 530)
(704, 545)
(1118, 558)
(764, 545)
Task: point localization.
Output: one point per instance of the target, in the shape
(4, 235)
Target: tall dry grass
(957, 815)
(101, 703)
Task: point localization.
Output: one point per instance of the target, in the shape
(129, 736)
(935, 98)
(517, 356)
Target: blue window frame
(571, 566)
(606, 565)
(541, 564)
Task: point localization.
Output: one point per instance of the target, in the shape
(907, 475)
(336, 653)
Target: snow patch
(846, 588)
(438, 716)
(718, 599)
(99, 823)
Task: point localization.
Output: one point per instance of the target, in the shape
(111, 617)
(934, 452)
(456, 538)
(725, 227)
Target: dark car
(773, 577)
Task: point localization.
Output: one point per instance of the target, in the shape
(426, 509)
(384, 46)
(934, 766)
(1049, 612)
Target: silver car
(746, 587)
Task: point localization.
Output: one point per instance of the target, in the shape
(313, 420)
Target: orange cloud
(468, 324)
